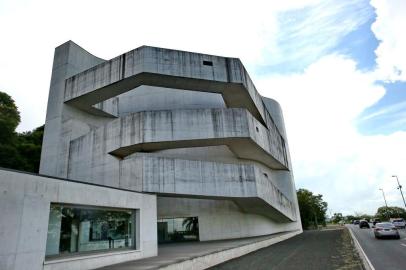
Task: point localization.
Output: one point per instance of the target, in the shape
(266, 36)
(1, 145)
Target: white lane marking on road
(403, 245)
(359, 248)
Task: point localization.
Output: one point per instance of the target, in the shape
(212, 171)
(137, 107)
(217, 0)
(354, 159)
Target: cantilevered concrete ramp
(245, 127)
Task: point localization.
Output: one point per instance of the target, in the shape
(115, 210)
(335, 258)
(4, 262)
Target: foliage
(191, 224)
(350, 218)
(9, 118)
(337, 217)
(29, 148)
(19, 151)
(385, 213)
(312, 208)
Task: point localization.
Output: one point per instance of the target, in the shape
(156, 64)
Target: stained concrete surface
(329, 249)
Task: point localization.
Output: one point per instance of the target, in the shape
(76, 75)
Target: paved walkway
(318, 250)
(172, 253)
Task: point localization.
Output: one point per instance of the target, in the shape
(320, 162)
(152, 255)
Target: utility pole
(400, 188)
(383, 193)
(386, 210)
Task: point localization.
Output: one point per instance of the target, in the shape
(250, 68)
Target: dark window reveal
(208, 63)
(178, 229)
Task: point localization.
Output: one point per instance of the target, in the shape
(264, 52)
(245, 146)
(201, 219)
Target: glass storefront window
(178, 229)
(74, 229)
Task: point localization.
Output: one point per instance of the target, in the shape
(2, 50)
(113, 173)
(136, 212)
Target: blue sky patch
(305, 35)
(388, 115)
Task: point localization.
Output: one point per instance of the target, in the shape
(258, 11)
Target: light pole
(383, 193)
(386, 210)
(400, 188)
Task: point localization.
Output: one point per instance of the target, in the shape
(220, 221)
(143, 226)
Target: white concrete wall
(221, 219)
(77, 142)
(63, 122)
(246, 183)
(24, 210)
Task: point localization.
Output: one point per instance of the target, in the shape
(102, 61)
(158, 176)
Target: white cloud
(320, 105)
(389, 28)
(307, 34)
(32, 29)
(329, 156)
(396, 108)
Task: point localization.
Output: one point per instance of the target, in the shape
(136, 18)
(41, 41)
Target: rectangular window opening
(179, 229)
(208, 63)
(77, 229)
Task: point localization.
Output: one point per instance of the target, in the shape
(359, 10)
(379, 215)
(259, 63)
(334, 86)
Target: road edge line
(364, 258)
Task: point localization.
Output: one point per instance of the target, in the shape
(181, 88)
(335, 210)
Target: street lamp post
(384, 198)
(400, 188)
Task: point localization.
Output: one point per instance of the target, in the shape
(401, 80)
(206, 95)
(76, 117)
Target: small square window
(208, 63)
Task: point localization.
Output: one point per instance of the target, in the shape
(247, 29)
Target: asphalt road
(311, 250)
(384, 254)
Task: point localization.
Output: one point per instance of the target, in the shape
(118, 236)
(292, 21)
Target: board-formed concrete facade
(184, 134)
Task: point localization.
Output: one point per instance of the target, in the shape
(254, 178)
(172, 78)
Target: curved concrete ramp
(245, 184)
(159, 130)
(165, 68)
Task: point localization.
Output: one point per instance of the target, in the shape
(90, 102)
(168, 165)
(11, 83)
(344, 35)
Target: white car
(398, 222)
(386, 229)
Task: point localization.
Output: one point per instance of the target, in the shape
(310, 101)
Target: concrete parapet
(166, 68)
(247, 185)
(158, 130)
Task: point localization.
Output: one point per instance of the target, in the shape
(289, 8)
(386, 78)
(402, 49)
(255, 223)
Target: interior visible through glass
(178, 229)
(78, 229)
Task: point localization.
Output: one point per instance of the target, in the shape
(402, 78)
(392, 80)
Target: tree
(350, 218)
(9, 118)
(385, 213)
(29, 148)
(337, 217)
(312, 208)
(191, 224)
(20, 151)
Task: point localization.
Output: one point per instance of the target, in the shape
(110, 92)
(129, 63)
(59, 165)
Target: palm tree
(191, 224)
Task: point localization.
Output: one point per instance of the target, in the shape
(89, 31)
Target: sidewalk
(201, 255)
(312, 250)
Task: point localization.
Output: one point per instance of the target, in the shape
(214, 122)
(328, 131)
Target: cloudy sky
(338, 68)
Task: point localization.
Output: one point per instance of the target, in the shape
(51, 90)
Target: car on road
(363, 224)
(374, 221)
(386, 230)
(398, 222)
(355, 222)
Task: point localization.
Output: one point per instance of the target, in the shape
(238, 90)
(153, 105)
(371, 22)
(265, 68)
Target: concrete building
(152, 146)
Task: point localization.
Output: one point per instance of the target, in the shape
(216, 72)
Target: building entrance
(179, 229)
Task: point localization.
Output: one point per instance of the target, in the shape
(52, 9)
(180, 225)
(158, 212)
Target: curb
(365, 261)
